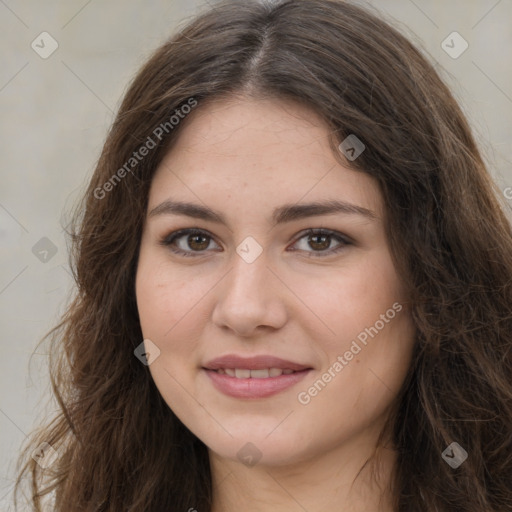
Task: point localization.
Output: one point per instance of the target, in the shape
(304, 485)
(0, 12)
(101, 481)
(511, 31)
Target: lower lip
(254, 388)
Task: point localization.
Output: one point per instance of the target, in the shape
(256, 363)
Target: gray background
(55, 113)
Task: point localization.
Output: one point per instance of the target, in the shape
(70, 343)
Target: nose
(250, 299)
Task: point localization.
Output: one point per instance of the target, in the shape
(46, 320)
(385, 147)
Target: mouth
(255, 377)
(265, 373)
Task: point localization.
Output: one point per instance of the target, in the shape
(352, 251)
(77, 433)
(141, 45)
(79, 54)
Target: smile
(257, 376)
(264, 373)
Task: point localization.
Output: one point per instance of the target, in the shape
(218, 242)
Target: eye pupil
(200, 245)
(322, 244)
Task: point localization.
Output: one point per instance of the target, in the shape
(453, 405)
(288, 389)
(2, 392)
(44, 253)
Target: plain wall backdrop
(55, 112)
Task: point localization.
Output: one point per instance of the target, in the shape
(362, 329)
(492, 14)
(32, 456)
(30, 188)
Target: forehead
(260, 152)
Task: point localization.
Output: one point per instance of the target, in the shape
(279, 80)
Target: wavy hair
(450, 239)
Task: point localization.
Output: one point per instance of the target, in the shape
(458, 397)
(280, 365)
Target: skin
(243, 158)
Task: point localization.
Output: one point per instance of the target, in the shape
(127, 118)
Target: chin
(251, 448)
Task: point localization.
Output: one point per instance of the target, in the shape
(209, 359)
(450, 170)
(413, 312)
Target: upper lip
(253, 363)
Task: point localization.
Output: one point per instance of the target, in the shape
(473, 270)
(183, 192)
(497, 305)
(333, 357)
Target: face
(266, 281)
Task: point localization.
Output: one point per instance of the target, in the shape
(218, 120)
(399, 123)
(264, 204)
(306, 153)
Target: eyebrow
(282, 214)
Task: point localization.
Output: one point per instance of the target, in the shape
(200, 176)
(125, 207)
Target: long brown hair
(120, 446)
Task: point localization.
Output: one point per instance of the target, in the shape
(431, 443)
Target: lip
(252, 387)
(253, 363)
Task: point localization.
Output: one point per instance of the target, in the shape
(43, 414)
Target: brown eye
(315, 242)
(186, 242)
(198, 242)
(321, 242)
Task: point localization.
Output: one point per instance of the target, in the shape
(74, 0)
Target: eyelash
(169, 240)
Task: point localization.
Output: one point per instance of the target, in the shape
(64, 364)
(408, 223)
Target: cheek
(152, 300)
(164, 298)
(352, 298)
(367, 323)
(173, 311)
(168, 311)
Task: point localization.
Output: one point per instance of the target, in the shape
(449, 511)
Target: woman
(294, 284)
